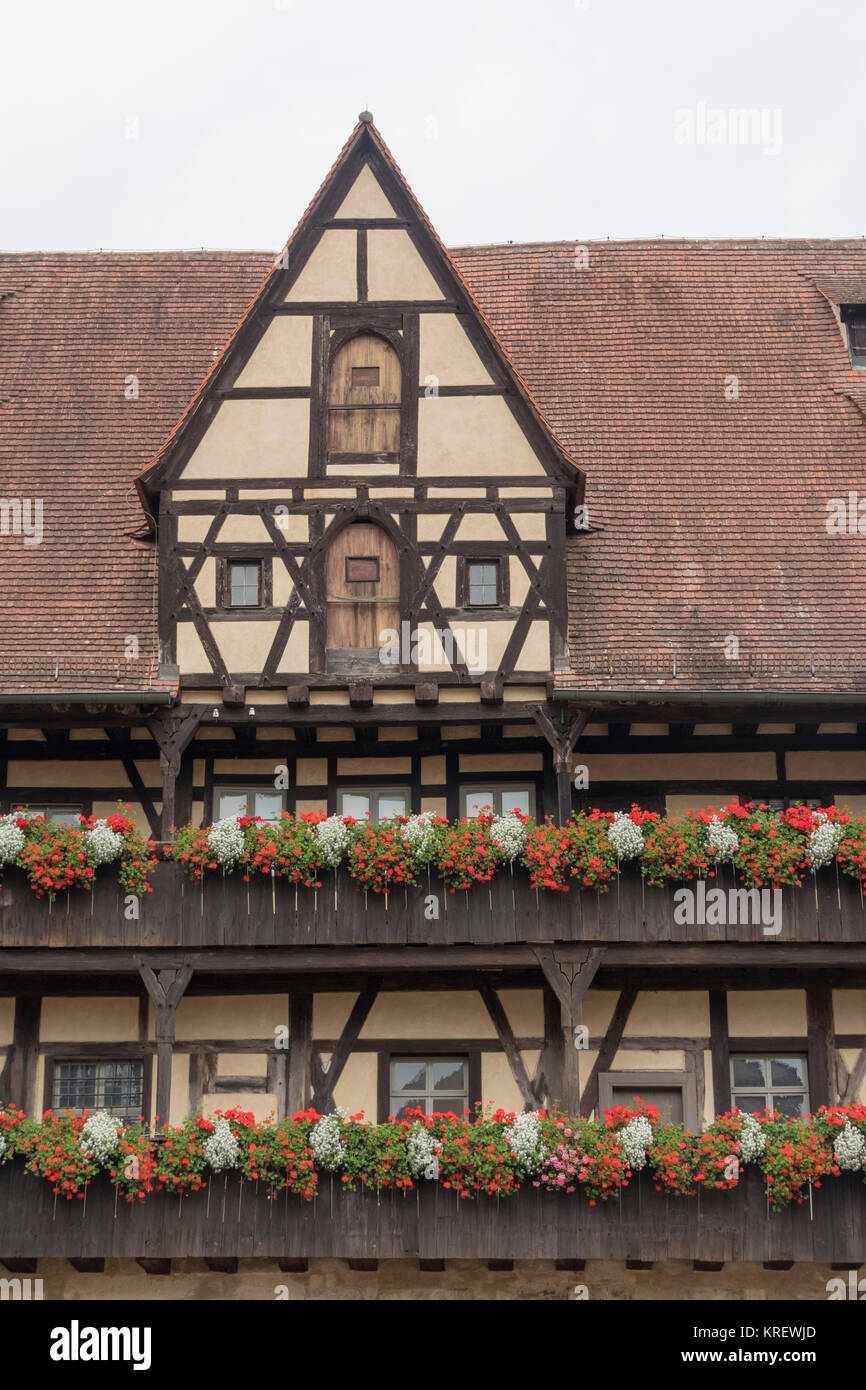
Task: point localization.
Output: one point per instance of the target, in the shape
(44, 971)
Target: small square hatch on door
(365, 376)
(362, 569)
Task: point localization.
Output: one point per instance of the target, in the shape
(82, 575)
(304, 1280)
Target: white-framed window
(431, 1084)
(499, 799)
(57, 814)
(374, 803)
(244, 584)
(265, 802)
(770, 1082)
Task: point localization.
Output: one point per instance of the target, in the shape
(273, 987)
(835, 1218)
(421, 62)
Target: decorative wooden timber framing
(607, 1052)
(166, 988)
(531, 1097)
(562, 732)
(570, 975)
(325, 1078)
(172, 734)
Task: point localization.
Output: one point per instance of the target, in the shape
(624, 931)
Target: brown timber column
(172, 733)
(822, 1045)
(570, 973)
(300, 1050)
(562, 733)
(19, 1074)
(166, 990)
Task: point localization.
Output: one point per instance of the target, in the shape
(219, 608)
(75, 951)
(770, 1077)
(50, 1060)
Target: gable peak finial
(366, 117)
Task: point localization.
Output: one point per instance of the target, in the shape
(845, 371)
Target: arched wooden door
(364, 398)
(362, 597)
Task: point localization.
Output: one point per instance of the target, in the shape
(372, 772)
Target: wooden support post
(19, 1074)
(822, 1045)
(300, 1047)
(570, 974)
(720, 1051)
(562, 733)
(166, 989)
(172, 733)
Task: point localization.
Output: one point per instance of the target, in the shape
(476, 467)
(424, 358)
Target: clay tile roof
(707, 515)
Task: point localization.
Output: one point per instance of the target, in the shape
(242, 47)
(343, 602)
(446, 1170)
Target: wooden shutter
(364, 398)
(358, 610)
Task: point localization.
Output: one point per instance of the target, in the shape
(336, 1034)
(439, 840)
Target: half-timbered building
(371, 527)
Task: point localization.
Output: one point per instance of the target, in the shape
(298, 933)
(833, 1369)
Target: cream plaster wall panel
(192, 528)
(446, 582)
(366, 198)
(447, 354)
(269, 697)
(856, 804)
(185, 493)
(7, 1020)
(244, 646)
(711, 729)
(667, 1013)
(358, 1086)
(245, 529)
(205, 583)
(25, 736)
(215, 731)
(261, 1104)
(498, 1087)
(844, 766)
(319, 803)
(598, 1007)
(524, 1009)
(178, 1107)
(242, 1064)
(330, 1014)
(437, 804)
(270, 732)
(399, 733)
(393, 697)
(392, 492)
(595, 731)
(849, 1010)
(283, 354)
(283, 587)
(501, 762)
(312, 772)
(254, 439)
(296, 656)
(652, 767)
(433, 770)
(676, 805)
(648, 730)
(535, 652)
(340, 734)
(331, 271)
(101, 1019)
(329, 697)
(231, 1016)
(518, 580)
(149, 772)
(431, 525)
(531, 526)
(460, 731)
(395, 270)
(480, 526)
(245, 767)
(68, 775)
(660, 1059)
(360, 767)
(539, 494)
(849, 1056)
(135, 812)
(481, 644)
(837, 729)
(85, 735)
(38, 1109)
(520, 731)
(459, 436)
(198, 813)
(191, 655)
(766, 1013)
(429, 1014)
(777, 729)
(585, 1064)
(438, 492)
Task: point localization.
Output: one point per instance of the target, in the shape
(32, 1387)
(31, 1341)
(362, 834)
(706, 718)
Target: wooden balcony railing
(226, 911)
(642, 1225)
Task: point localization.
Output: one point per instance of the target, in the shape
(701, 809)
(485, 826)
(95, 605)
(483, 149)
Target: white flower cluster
(510, 834)
(753, 1140)
(418, 832)
(11, 839)
(423, 1152)
(849, 1148)
(2, 1147)
(99, 1135)
(226, 841)
(104, 845)
(525, 1140)
(221, 1148)
(326, 1144)
(635, 1138)
(625, 836)
(333, 837)
(823, 842)
(724, 842)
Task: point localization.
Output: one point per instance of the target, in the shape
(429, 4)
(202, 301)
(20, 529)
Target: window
(673, 1092)
(245, 584)
(362, 569)
(431, 1084)
(854, 318)
(259, 801)
(770, 1083)
(374, 804)
(483, 583)
(115, 1086)
(364, 399)
(58, 815)
(500, 799)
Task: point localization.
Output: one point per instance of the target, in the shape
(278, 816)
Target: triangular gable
(405, 262)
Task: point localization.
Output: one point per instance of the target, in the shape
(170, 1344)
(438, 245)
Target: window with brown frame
(429, 1077)
(482, 583)
(854, 319)
(244, 583)
(116, 1084)
(673, 1092)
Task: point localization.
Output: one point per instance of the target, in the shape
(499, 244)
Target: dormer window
(854, 319)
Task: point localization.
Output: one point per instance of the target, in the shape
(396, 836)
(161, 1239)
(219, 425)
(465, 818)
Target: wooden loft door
(364, 397)
(362, 586)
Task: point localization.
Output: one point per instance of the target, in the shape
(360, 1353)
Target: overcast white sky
(553, 120)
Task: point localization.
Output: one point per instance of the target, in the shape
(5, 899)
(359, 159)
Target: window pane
(75, 1086)
(787, 1071)
(269, 805)
(516, 801)
(752, 1105)
(401, 1105)
(789, 1105)
(113, 1086)
(476, 802)
(391, 804)
(231, 804)
(748, 1071)
(355, 804)
(482, 584)
(408, 1076)
(244, 582)
(449, 1076)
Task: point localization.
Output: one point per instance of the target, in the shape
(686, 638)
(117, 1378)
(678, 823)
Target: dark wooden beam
(608, 1050)
(154, 1266)
(326, 1081)
(228, 1265)
(821, 1045)
(720, 1047)
(570, 976)
(505, 1034)
(166, 989)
